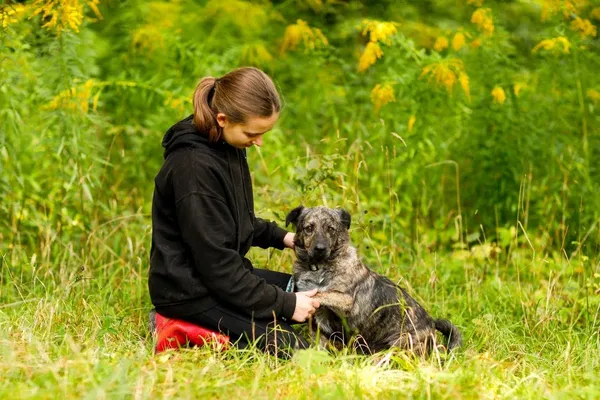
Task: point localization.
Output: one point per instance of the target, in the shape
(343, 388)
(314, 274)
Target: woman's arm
(268, 234)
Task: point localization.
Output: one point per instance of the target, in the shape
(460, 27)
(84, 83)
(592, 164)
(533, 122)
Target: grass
(68, 330)
(428, 201)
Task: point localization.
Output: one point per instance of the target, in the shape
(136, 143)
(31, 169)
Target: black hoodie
(203, 224)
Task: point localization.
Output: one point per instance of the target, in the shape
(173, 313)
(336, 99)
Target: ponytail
(205, 118)
(241, 94)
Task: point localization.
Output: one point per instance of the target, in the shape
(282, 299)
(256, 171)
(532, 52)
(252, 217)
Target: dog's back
(385, 315)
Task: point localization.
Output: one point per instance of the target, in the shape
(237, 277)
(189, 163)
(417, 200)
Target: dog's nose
(320, 248)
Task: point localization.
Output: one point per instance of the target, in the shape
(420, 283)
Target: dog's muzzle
(319, 252)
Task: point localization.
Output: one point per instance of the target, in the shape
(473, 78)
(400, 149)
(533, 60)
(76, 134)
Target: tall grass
(485, 208)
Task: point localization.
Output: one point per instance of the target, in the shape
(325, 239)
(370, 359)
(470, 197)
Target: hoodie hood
(185, 134)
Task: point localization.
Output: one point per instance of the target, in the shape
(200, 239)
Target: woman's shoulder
(196, 158)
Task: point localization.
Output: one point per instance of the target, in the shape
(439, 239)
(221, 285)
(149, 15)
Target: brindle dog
(354, 298)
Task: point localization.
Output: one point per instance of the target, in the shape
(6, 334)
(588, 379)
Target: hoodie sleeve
(268, 234)
(208, 230)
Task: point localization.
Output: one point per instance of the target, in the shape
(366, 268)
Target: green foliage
(464, 147)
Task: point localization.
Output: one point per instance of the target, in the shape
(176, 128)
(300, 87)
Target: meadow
(462, 136)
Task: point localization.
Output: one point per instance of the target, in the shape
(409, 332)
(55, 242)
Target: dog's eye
(308, 229)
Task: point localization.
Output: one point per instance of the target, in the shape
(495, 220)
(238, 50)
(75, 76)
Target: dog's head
(321, 232)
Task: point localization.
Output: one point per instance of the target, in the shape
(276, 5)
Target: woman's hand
(288, 240)
(305, 305)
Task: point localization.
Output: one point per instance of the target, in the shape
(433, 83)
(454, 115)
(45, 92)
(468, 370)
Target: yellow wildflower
(558, 45)
(256, 54)
(517, 87)
(382, 95)
(584, 27)
(74, 98)
(369, 56)
(11, 14)
(498, 95)
(379, 31)
(593, 95)
(445, 74)
(63, 14)
(568, 7)
(477, 3)
(458, 41)
(463, 79)
(476, 43)
(176, 103)
(482, 17)
(300, 32)
(93, 4)
(440, 44)
(411, 122)
(595, 14)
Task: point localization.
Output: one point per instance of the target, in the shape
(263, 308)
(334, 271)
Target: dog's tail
(450, 331)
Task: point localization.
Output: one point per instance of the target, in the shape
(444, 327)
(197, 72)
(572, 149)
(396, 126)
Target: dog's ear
(293, 216)
(345, 217)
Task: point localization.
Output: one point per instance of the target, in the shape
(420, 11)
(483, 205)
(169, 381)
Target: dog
(356, 302)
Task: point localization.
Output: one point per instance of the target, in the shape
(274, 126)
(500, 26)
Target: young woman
(203, 220)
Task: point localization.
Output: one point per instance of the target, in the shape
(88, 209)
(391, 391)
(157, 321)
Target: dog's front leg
(338, 302)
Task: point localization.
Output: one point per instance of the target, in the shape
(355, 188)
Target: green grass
(487, 212)
(530, 330)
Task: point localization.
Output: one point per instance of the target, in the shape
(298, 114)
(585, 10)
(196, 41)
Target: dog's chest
(308, 280)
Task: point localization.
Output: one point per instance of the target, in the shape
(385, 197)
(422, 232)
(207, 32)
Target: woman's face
(248, 134)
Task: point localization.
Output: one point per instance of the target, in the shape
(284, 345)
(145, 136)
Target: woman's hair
(243, 93)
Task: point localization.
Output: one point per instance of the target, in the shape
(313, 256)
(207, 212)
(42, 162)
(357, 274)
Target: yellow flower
(482, 17)
(411, 122)
(382, 95)
(440, 44)
(477, 3)
(446, 73)
(558, 45)
(11, 14)
(60, 14)
(568, 7)
(476, 43)
(93, 4)
(595, 14)
(300, 32)
(584, 27)
(498, 95)
(369, 56)
(63, 14)
(463, 79)
(74, 98)
(379, 31)
(517, 87)
(593, 95)
(458, 41)
(256, 54)
(176, 103)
